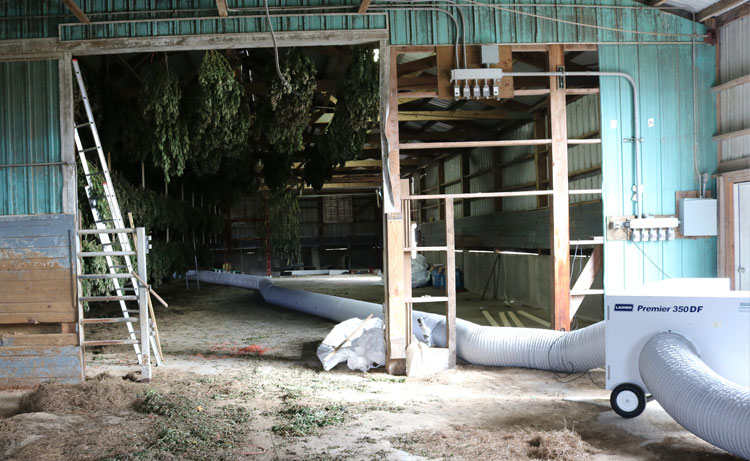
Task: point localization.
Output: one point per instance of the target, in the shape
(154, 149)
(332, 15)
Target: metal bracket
(560, 78)
(632, 139)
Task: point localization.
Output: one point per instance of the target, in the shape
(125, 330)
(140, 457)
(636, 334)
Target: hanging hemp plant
(160, 100)
(283, 217)
(220, 121)
(356, 111)
(284, 116)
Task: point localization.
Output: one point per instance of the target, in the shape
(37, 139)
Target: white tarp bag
(423, 360)
(363, 351)
(420, 272)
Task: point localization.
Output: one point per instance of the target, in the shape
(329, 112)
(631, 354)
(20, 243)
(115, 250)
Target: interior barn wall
(38, 310)
(734, 103)
(521, 279)
(666, 93)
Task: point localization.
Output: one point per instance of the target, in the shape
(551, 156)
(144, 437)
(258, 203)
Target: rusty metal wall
(30, 134)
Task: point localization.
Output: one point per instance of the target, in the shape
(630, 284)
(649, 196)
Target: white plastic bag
(363, 351)
(423, 360)
(420, 272)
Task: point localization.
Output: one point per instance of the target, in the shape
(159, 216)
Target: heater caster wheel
(628, 400)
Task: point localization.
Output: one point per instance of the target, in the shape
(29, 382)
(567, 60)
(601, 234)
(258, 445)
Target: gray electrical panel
(698, 217)
(490, 54)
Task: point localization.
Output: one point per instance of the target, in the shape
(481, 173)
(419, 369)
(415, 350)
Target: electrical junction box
(715, 320)
(490, 54)
(697, 217)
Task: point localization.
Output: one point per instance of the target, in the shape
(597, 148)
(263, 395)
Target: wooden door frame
(725, 236)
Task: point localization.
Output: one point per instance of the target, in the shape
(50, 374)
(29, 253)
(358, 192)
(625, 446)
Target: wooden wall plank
(37, 317)
(25, 286)
(62, 339)
(35, 274)
(37, 297)
(39, 351)
(37, 307)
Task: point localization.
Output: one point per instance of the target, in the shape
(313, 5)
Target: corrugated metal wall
(734, 103)
(666, 93)
(521, 173)
(30, 134)
(584, 160)
(124, 18)
(481, 160)
(495, 24)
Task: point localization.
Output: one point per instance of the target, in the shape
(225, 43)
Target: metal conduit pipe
(704, 403)
(578, 350)
(636, 117)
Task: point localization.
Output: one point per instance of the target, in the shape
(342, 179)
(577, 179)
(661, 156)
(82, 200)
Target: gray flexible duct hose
(578, 350)
(709, 406)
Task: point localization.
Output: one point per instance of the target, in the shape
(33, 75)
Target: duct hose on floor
(579, 350)
(709, 406)
(703, 402)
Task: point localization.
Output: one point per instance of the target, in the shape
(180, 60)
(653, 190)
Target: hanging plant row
(356, 111)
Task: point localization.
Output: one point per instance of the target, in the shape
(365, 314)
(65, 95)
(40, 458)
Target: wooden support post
(450, 283)
(397, 316)
(559, 212)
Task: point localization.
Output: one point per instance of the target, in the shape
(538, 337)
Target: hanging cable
(276, 49)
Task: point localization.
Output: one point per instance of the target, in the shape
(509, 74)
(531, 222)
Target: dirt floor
(241, 381)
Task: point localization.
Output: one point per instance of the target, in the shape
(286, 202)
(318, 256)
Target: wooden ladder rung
(408, 249)
(93, 254)
(586, 292)
(104, 276)
(108, 298)
(427, 299)
(111, 320)
(111, 342)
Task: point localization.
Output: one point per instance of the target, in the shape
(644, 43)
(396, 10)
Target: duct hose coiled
(704, 403)
(578, 350)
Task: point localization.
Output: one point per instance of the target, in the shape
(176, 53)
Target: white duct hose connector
(579, 350)
(709, 406)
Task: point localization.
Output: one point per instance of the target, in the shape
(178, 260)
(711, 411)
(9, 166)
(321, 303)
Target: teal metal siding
(666, 93)
(125, 18)
(30, 134)
(211, 25)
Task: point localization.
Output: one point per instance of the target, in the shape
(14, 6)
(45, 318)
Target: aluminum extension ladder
(121, 269)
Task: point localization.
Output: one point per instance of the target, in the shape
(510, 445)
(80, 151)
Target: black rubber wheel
(628, 400)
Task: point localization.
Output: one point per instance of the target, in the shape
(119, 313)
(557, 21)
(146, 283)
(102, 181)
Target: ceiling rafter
(77, 11)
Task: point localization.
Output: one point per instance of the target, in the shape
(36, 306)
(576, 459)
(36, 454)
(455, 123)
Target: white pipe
(578, 350)
(709, 406)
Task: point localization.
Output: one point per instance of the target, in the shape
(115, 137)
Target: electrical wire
(276, 49)
(651, 260)
(575, 23)
(409, 7)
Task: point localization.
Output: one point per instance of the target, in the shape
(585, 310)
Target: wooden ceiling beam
(364, 4)
(718, 9)
(417, 65)
(495, 114)
(77, 11)
(221, 5)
